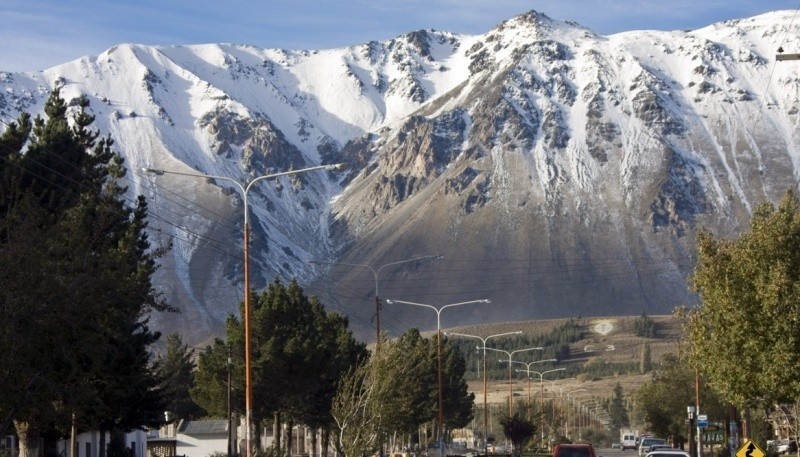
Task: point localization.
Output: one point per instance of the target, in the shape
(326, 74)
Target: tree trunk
(326, 441)
(276, 432)
(314, 442)
(28, 439)
(102, 444)
(289, 427)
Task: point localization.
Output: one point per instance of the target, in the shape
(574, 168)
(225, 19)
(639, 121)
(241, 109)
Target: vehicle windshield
(652, 441)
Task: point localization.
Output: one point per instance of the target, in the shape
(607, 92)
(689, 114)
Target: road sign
(749, 449)
(702, 420)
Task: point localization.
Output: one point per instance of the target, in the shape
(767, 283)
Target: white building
(88, 444)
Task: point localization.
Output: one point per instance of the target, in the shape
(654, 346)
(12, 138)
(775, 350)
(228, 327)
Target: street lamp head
(336, 167)
(153, 171)
(390, 301)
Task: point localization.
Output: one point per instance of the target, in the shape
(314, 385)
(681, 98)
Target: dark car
(574, 450)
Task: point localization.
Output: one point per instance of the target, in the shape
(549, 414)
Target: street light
(510, 387)
(439, 351)
(570, 400)
(375, 272)
(541, 383)
(245, 188)
(485, 407)
(528, 371)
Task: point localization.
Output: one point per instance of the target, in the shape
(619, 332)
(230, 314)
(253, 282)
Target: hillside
(559, 172)
(610, 339)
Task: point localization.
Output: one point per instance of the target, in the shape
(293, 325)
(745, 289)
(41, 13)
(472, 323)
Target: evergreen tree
(646, 364)
(210, 390)
(617, 410)
(76, 281)
(458, 401)
(176, 369)
(299, 353)
(518, 430)
(645, 327)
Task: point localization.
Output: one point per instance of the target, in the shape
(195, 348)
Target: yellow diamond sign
(749, 449)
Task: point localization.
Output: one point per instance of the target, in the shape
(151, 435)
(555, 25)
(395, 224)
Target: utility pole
(231, 450)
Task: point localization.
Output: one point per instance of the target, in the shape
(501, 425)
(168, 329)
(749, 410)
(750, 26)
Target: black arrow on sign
(750, 448)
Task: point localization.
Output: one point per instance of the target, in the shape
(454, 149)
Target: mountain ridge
(559, 172)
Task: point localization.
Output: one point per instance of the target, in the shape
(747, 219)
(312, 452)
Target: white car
(644, 445)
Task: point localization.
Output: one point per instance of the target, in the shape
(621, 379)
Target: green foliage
(299, 352)
(745, 336)
(617, 410)
(397, 391)
(597, 368)
(210, 389)
(176, 371)
(644, 326)
(355, 410)
(662, 401)
(518, 430)
(77, 265)
(646, 363)
(406, 380)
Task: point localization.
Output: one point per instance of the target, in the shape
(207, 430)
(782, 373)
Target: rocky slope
(559, 172)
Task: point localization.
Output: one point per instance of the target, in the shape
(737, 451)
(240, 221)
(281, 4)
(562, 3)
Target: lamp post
(572, 401)
(541, 383)
(690, 410)
(245, 189)
(230, 417)
(528, 371)
(510, 354)
(485, 406)
(439, 351)
(375, 273)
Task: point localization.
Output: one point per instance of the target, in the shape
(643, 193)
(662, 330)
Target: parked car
(574, 450)
(658, 447)
(616, 446)
(644, 446)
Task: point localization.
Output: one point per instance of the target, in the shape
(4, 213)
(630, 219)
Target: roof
(204, 427)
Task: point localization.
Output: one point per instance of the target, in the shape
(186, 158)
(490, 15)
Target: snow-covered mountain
(559, 172)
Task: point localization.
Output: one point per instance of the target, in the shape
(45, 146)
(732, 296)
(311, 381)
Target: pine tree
(76, 281)
(299, 353)
(616, 409)
(646, 363)
(176, 369)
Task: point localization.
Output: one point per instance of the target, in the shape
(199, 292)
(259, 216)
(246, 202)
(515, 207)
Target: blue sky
(38, 34)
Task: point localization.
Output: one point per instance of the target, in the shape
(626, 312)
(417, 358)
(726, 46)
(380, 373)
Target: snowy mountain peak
(560, 172)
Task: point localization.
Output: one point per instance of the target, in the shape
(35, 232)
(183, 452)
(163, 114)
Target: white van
(627, 440)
